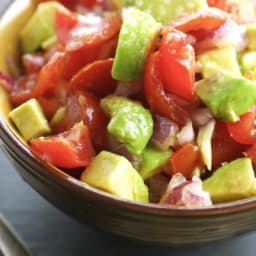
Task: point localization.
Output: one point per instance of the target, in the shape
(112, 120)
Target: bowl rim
(10, 140)
(22, 151)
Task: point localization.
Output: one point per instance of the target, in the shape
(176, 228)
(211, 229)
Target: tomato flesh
(177, 64)
(70, 149)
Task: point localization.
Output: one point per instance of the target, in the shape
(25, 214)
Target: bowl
(145, 222)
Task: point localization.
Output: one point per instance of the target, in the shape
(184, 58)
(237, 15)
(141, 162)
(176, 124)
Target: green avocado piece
(30, 120)
(232, 181)
(227, 95)
(130, 122)
(39, 27)
(115, 174)
(153, 159)
(138, 34)
(223, 58)
(165, 10)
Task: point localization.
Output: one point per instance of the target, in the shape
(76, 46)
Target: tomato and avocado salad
(151, 101)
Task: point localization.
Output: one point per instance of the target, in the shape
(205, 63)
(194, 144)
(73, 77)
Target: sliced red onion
(164, 133)
(6, 81)
(188, 193)
(14, 69)
(200, 116)
(186, 134)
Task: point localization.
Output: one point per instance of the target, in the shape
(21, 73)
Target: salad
(151, 101)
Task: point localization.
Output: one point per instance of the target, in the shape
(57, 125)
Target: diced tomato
(76, 31)
(204, 19)
(224, 148)
(251, 153)
(84, 106)
(70, 149)
(159, 101)
(49, 106)
(85, 40)
(177, 64)
(244, 130)
(225, 5)
(33, 62)
(95, 77)
(185, 160)
(37, 84)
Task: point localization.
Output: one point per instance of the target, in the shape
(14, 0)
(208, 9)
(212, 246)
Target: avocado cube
(227, 95)
(137, 35)
(232, 181)
(39, 27)
(30, 120)
(224, 58)
(153, 159)
(130, 122)
(115, 174)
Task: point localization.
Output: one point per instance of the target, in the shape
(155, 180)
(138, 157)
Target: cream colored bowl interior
(10, 25)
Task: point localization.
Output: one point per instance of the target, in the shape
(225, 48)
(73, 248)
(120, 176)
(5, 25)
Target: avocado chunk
(165, 11)
(30, 120)
(223, 58)
(227, 95)
(138, 34)
(153, 159)
(39, 27)
(115, 174)
(130, 122)
(232, 181)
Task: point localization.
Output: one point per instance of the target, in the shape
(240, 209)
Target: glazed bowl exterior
(144, 222)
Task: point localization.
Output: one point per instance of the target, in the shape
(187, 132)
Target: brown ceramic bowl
(145, 222)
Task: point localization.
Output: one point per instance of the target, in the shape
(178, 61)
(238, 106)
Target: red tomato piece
(159, 101)
(38, 84)
(177, 64)
(70, 149)
(207, 19)
(33, 62)
(94, 117)
(224, 148)
(243, 131)
(185, 160)
(49, 106)
(225, 5)
(95, 77)
(76, 31)
(84, 106)
(251, 153)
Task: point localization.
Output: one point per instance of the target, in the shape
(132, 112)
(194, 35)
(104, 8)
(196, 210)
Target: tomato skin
(185, 160)
(84, 106)
(177, 64)
(159, 101)
(243, 131)
(38, 84)
(251, 153)
(224, 147)
(95, 77)
(70, 149)
(205, 19)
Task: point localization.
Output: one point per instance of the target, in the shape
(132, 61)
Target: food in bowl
(147, 105)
